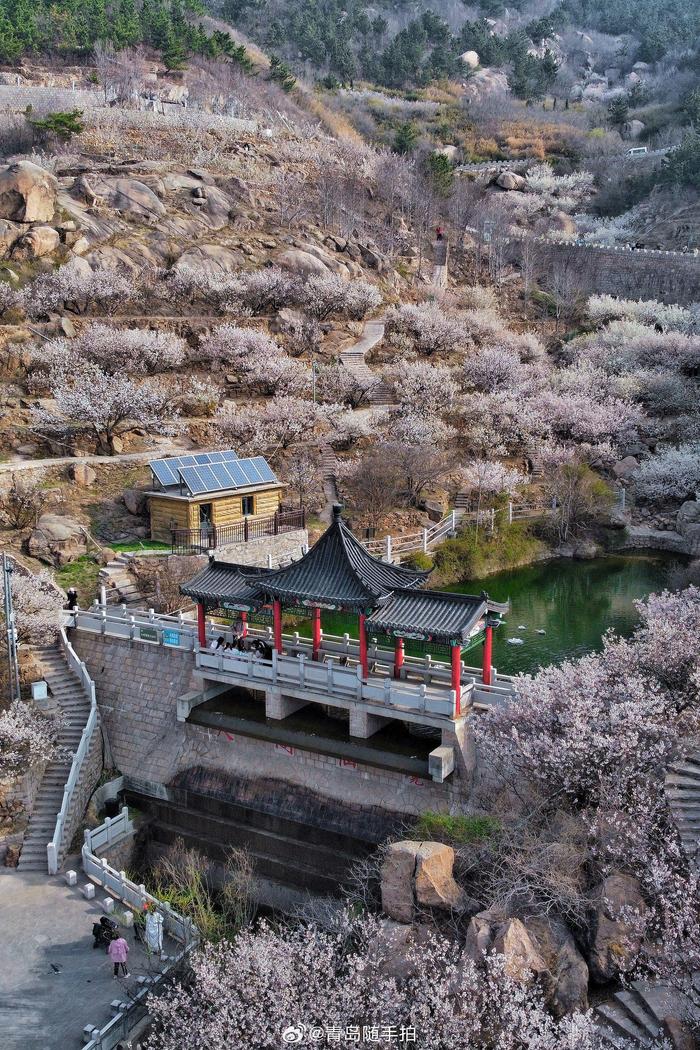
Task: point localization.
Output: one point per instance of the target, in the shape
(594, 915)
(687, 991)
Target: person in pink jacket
(118, 951)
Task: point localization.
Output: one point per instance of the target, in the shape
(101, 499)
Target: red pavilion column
(488, 646)
(277, 622)
(315, 634)
(363, 646)
(201, 626)
(457, 677)
(398, 657)
(244, 621)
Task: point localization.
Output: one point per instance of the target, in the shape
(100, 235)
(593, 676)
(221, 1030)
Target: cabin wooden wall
(226, 511)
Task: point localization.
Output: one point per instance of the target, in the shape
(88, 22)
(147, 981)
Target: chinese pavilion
(338, 573)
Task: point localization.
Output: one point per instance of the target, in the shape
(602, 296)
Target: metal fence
(209, 537)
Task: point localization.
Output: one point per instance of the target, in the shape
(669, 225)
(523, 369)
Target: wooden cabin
(212, 496)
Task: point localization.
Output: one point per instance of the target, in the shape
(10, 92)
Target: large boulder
(632, 129)
(27, 193)
(566, 986)
(452, 153)
(470, 59)
(10, 233)
(625, 468)
(688, 518)
(508, 180)
(397, 874)
(57, 539)
(419, 874)
(131, 198)
(36, 243)
(83, 474)
(435, 886)
(135, 501)
(535, 948)
(615, 927)
(212, 258)
(300, 262)
(522, 958)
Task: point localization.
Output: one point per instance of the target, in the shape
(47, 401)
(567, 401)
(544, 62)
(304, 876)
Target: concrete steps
(638, 1012)
(682, 787)
(74, 706)
(119, 582)
(353, 359)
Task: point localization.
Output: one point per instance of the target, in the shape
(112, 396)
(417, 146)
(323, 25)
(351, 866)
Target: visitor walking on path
(118, 951)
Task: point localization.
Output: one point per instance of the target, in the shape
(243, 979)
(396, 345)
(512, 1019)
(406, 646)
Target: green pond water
(573, 602)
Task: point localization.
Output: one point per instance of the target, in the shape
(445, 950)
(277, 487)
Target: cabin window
(247, 505)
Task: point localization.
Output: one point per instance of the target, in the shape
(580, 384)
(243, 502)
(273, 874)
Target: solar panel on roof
(219, 476)
(164, 472)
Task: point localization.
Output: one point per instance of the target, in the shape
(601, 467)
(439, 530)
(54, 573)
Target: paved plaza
(52, 981)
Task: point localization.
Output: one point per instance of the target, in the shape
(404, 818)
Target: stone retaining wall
(281, 548)
(671, 277)
(137, 687)
(90, 773)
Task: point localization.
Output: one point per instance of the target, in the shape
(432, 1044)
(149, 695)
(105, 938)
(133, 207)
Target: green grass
(81, 574)
(459, 830)
(140, 545)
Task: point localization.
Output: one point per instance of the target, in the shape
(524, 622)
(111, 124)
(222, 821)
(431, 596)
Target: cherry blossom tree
(485, 477)
(420, 390)
(258, 362)
(622, 714)
(301, 978)
(671, 474)
(425, 329)
(272, 427)
(129, 351)
(264, 291)
(605, 308)
(335, 384)
(89, 399)
(188, 283)
(75, 288)
(492, 368)
(324, 295)
(37, 601)
(26, 738)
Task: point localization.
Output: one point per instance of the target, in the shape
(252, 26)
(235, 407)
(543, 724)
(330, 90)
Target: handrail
(54, 847)
(135, 896)
(415, 541)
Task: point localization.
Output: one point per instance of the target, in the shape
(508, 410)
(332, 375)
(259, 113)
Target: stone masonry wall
(282, 548)
(671, 277)
(87, 782)
(137, 687)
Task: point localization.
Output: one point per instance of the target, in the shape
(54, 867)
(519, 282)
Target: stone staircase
(638, 1013)
(379, 393)
(68, 693)
(119, 583)
(682, 789)
(440, 250)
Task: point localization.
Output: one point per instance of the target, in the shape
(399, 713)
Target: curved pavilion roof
(338, 572)
(440, 616)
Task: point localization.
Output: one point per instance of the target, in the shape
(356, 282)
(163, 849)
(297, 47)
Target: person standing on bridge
(118, 951)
